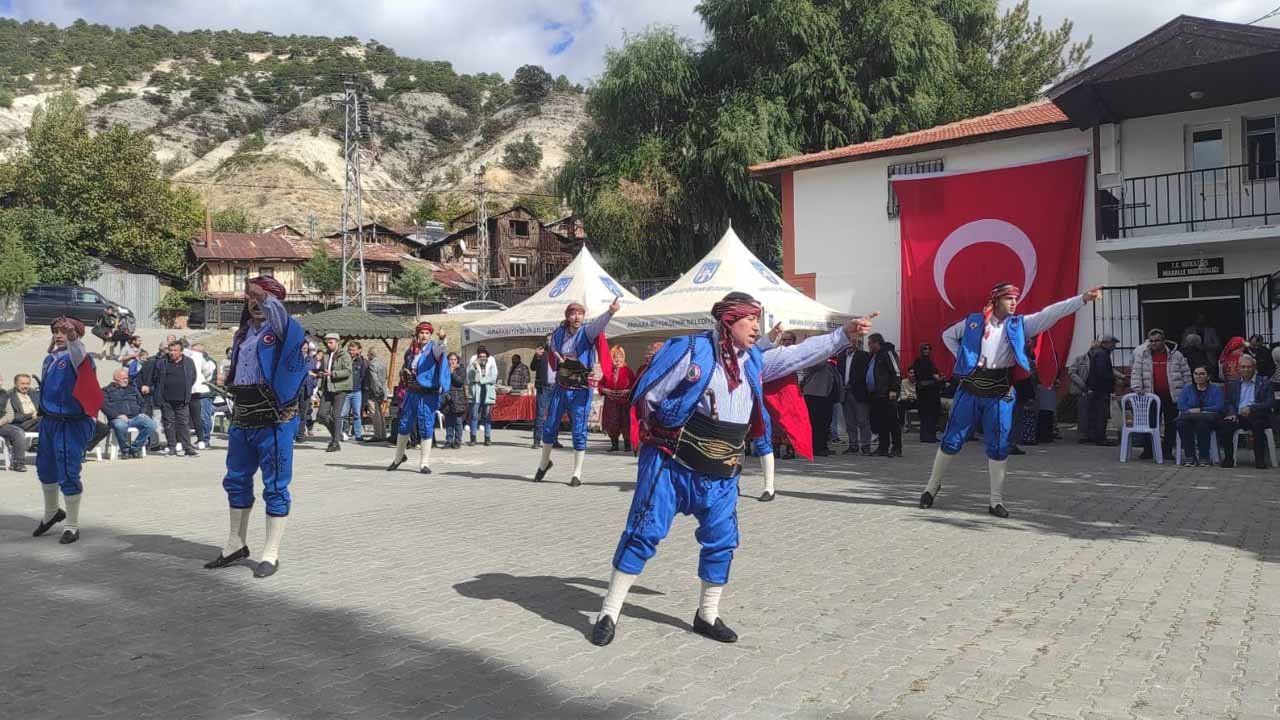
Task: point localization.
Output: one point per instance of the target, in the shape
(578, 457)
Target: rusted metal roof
(248, 246)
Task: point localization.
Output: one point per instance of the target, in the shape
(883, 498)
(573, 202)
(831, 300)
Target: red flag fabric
(602, 352)
(86, 390)
(788, 413)
(963, 232)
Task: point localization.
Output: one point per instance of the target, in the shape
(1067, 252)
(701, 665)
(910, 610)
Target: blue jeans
(145, 425)
(354, 403)
(453, 428)
(206, 419)
(480, 416)
(544, 405)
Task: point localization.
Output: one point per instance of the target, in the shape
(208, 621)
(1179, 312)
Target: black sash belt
(704, 445)
(572, 374)
(254, 406)
(987, 382)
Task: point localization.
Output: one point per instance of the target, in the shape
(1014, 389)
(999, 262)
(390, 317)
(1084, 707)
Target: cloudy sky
(565, 36)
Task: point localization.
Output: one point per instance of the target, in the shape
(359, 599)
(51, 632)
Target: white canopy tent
(686, 304)
(525, 324)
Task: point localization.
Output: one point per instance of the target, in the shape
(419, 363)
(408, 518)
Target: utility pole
(482, 234)
(355, 131)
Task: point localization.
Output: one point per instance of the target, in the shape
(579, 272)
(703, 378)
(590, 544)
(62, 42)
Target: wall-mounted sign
(1189, 268)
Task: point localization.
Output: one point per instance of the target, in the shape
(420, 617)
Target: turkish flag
(964, 232)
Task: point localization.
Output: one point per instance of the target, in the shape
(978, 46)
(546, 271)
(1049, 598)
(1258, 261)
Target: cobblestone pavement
(1114, 591)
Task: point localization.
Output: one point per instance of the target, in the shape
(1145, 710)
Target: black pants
(884, 423)
(1169, 413)
(176, 419)
(929, 405)
(1099, 406)
(820, 409)
(330, 414)
(1256, 423)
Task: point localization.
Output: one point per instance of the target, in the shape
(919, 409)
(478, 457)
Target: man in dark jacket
(857, 399)
(13, 417)
(1249, 403)
(542, 386)
(171, 383)
(884, 381)
(355, 399)
(122, 405)
(1101, 383)
(822, 390)
(373, 392)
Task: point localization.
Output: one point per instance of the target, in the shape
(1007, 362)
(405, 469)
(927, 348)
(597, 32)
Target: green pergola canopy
(352, 322)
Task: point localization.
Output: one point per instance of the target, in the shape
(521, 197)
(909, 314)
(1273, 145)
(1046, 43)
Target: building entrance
(1175, 307)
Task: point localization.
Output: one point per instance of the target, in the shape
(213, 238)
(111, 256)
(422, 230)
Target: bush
(253, 143)
(175, 302)
(6, 98)
(522, 156)
(531, 83)
(111, 96)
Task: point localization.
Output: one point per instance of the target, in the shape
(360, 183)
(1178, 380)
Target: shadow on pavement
(560, 600)
(93, 631)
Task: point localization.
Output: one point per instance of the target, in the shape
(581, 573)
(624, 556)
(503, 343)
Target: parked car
(385, 309)
(43, 303)
(475, 306)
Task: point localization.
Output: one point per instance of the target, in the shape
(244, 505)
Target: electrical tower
(355, 132)
(482, 235)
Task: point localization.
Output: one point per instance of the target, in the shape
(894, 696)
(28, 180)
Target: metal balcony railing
(1212, 198)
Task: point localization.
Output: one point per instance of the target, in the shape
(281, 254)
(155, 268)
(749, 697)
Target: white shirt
(996, 351)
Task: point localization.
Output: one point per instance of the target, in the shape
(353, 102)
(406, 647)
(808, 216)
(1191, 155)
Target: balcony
(1231, 197)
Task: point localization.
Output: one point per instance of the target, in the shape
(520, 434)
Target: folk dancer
(986, 346)
(69, 401)
(424, 376)
(574, 352)
(268, 366)
(699, 400)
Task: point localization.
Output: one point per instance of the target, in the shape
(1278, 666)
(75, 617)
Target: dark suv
(43, 303)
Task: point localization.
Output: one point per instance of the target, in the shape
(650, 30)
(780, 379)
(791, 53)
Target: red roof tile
(1038, 116)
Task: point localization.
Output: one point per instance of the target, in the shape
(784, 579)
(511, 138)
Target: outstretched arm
(1036, 323)
(780, 360)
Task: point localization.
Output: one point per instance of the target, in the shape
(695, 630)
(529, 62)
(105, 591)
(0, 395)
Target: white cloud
(501, 35)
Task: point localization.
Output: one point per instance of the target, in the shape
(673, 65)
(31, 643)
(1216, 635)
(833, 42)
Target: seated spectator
(1248, 407)
(14, 436)
(1199, 407)
(122, 405)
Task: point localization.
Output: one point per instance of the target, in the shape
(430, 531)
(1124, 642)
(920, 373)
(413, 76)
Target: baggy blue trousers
(665, 487)
(994, 413)
(419, 410)
(269, 449)
(60, 452)
(576, 402)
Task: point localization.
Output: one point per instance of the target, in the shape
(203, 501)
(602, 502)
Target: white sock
(238, 535)
(424, 453)
(73, 511)
(579, 456)
(766, 463)
(709, 601)
(402, 444)
(546, 458)
(619, 584)
(51, 506)
(275, 532)
(996, 468)
(940, 462)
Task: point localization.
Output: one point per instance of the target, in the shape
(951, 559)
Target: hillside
(249, 119)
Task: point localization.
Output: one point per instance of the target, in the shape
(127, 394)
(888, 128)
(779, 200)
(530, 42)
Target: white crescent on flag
(984, 231)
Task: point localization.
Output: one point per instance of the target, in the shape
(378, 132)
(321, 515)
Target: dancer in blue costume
(68, 404)
(986, 346)
(425, 375)
(572, 356)
(267, 368)
(698, 401)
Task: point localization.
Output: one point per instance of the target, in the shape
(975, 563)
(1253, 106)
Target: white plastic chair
(5, 458)
(113, 449)
(1140, 408)
(1271, 443)
(1214, 455)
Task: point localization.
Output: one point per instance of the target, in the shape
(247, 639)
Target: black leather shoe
(425, 471)
(882, 453)
(333, 448)
(18, 468)
(895, 452)
(851, 450)
(766, 496)
(998, 511)
(602, 633)
(926, 499)
(487, 442)
(222, 561)
(266, 569)
(1228, 462)
(542, 472)
(471, 443)
(574, 481)
(69, 536)
(718, 632)
(44, 527)
(396, 463)
(1015, 450)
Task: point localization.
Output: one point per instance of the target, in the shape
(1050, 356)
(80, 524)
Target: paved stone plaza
(1114, 591)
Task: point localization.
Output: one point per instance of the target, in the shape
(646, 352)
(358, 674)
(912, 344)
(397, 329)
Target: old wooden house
(523, 251)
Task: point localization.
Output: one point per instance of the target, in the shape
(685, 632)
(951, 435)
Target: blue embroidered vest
(674, 410)
(57, 381)
(280, 361)
(971, 343)
(430, 372)
(585, 348)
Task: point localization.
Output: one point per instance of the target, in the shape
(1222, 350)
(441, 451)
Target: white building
(1183, 205)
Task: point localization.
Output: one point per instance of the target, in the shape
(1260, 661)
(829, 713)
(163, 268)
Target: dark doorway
(1175, 306)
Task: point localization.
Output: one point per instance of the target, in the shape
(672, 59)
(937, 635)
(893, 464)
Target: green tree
(523, 155)
(17, 265)
(531, 83)
(234, 219)
(414, 284)
(54, 243)
(322, 272)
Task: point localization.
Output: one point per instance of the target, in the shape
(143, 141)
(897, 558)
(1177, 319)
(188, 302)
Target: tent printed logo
(706, 272)
(466, 334)
(611, 286)
(561, 285)
(765, 272)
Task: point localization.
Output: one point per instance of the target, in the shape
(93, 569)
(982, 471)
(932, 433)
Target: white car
(475, 306)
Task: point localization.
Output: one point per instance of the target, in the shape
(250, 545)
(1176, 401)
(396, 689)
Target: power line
(366, 191)
(1273, 13)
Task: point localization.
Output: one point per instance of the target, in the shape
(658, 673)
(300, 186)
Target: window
(266, 271)
(914, 168)
(241, 276)
(470, 264)
(381, 281)
(549, 270)
(520, 228)
(1260, 147)
(88, 297)
(518, 267)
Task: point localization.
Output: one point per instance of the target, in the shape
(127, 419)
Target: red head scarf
(1003, 289)
(271, 285)
(69, 326)
(424, 326)
(734, 307)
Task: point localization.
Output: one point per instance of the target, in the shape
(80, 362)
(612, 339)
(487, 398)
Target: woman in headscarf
(928, 382)
(616, 389)
(633, 433)
(1229, 361)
